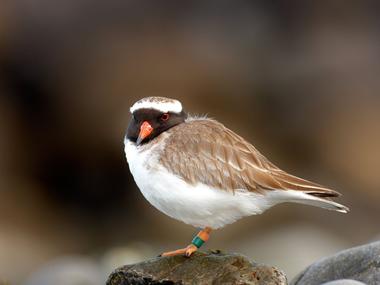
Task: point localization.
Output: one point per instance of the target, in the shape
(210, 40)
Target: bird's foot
(187, 251)
(197, 242)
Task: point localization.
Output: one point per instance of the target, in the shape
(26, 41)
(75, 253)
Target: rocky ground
(355, 266)
(201, 268)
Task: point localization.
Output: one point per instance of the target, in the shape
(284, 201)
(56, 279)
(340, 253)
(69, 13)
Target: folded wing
(206, 151)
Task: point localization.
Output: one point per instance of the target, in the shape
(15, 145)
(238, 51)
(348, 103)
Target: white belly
(197, 205)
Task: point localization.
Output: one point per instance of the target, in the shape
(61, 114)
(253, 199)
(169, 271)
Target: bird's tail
(306, 192)
(315, 198)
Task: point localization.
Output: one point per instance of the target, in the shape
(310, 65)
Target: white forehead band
(165, 107)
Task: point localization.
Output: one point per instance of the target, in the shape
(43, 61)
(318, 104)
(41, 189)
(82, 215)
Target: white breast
(198, 205)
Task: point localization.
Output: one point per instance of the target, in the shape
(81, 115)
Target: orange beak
(145, 130)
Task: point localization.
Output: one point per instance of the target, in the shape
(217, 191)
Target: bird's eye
(165, 117)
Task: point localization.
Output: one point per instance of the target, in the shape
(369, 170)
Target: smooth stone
(360, 263)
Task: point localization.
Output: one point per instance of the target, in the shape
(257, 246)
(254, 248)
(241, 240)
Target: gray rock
(344, 282)
(359, 263)
(201, 268)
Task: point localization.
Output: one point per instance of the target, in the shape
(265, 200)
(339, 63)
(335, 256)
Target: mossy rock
(201, 268)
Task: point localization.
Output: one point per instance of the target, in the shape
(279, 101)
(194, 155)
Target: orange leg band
(197, 242)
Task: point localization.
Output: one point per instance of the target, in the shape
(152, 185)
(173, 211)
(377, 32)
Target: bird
(196, 170)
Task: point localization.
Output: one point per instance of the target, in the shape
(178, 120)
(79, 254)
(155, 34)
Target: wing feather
(205, 151)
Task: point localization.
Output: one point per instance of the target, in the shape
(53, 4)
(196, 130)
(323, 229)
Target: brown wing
(206, 151)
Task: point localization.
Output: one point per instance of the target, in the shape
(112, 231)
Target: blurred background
(298, 79)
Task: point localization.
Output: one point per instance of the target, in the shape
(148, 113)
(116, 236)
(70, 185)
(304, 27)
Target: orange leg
(197, 242)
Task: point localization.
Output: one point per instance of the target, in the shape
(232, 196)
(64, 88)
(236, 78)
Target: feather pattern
(205, 151)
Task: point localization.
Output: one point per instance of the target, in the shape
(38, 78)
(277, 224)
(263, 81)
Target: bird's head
(153, 115)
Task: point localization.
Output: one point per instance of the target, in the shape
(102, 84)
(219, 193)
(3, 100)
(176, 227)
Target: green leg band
(197, 241)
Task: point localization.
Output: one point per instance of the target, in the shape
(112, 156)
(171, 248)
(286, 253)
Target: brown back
(205, 151)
